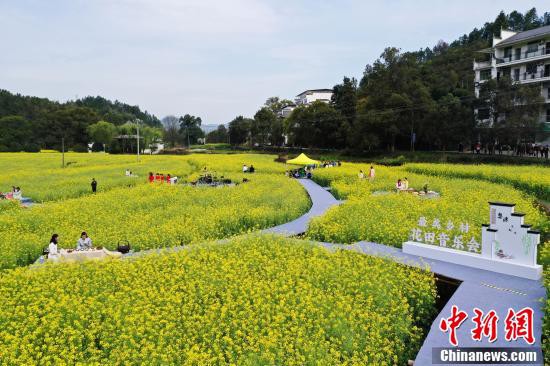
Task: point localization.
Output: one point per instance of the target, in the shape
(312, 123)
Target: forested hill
(31, 123)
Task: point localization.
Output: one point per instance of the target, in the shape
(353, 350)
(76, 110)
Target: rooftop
(526, 35)
(315, 91)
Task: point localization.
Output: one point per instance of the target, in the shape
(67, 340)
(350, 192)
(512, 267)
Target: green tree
(239, 130)
(219, 135)
(102, 132)
(16, 134)
(190, 129)
(261, 128)
(316, 125)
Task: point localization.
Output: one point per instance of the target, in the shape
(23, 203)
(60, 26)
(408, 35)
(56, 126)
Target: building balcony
(531, 77)
(482, 65)
(541, 53)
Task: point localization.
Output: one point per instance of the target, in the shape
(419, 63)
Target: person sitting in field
(17, 194)
(174, 180)
(84, 242)
(245, 169)
(52, 248)
(399, 185)
(128, 172)
(251, 169)
(405, 184)
(361, 175)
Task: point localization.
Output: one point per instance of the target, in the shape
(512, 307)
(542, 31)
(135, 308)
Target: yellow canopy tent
(302, 159)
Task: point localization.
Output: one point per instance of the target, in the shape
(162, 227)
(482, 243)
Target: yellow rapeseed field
(255, 300)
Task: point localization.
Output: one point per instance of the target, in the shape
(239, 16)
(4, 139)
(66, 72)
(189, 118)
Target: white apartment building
(522, 56)
(309, 96)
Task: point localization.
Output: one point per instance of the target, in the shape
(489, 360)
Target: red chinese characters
(485, 325)
(452, 323)
(519, 325)
(516, 325)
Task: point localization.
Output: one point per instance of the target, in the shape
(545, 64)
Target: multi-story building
(309, 96)
(524, 57)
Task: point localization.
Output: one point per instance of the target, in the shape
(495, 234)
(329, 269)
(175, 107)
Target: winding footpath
(480, 289)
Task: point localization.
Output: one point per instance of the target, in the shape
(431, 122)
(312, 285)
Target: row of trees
(31, 123)
(185, 130)
(406, 100)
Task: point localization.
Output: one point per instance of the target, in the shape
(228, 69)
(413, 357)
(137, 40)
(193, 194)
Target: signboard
(508, 245)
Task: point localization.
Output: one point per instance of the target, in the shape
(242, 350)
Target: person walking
(371, 173)
(94, 185)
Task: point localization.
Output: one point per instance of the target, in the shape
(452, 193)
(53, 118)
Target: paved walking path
(321, 201)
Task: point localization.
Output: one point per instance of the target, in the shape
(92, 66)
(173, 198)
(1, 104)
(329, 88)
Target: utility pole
(137, 127)
(63, 152)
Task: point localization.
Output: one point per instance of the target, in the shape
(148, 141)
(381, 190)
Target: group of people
(523, 149)
(330, 164)
(161, 178)
(83, 243)
(371, 175)
(248, 169)
(14, 194)
(305, 172)
(129, 173)
(402, 184)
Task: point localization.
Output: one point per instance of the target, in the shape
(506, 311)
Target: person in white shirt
(245, 168)
(361, 175)
(128, 172)
(84, 243)
(53, 252)
(17, 194)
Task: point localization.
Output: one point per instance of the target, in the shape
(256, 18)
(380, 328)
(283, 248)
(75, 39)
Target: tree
(16, 134)
(316, 125)
(102, 132)
(239, 130)
(171, 130)
(261, 128)
(219, 135)
(190, 128)
(151, 135)
(344, 98)
(276, 105)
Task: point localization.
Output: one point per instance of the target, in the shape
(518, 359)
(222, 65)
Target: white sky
(214, 59)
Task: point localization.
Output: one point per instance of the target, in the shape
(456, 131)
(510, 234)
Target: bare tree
(171, 130)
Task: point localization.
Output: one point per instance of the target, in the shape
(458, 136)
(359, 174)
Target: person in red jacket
(157, 177)
(151, 177)
(168, 181)
(162, 177)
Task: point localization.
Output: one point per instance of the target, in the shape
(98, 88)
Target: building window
(516, 74)
(531, 68)
(532, 47)
(485, 74)
(483, 113)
